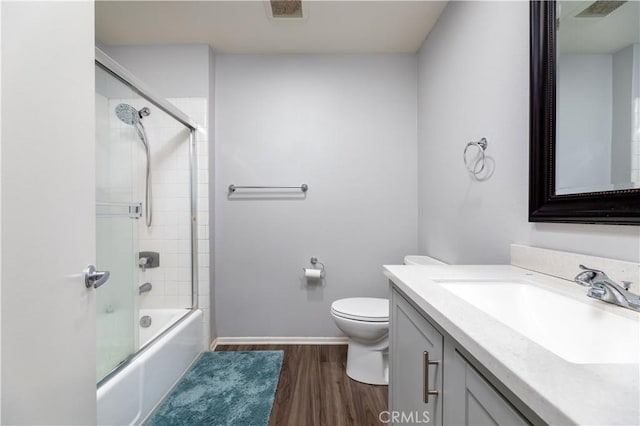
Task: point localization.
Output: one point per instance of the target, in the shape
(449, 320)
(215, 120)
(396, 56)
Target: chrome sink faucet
(604, 288)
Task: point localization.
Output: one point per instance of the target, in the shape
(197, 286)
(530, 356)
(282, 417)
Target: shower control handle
(94, 278)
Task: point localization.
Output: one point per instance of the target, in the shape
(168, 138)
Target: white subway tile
(203, 302)
(171, 288)
(155, 274)
(184, 288)
(203, 247)
(203, 232)
(184, 260)
(203, 176)
(203, 260)
(184, 246)
(169, 246)
(203, 289)
(203, 275)
(150, 301)
(203, 219)
(184, 301)
(203, 189)
(183, 231)
(184, 274)
(169, 260)
(171, 274)
(165, 218)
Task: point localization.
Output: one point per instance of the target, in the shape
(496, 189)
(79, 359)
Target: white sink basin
(572, 330)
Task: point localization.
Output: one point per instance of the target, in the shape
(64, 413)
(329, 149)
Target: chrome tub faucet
(603, 288)
(145, 288)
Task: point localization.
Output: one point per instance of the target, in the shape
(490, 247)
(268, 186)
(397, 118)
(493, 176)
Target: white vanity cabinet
(464, 396)
(415, 371)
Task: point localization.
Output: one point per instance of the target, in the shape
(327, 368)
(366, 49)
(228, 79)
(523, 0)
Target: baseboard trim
(278, 341)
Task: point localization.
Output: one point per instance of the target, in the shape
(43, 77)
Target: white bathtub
(129, 397)
(161, 319)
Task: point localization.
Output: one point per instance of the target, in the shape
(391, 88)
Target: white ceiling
(240, 26)
(598, 35)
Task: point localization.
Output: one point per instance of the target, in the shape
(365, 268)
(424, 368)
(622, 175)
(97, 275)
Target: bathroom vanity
(504, 345)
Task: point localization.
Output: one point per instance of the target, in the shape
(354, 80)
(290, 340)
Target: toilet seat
(367, 309)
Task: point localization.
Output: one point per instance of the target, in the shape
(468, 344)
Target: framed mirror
(585, 112)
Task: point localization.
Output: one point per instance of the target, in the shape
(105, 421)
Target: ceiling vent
(286, 8)
(599, 9)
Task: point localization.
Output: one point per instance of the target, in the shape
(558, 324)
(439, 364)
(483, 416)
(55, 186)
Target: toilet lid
(362, 309)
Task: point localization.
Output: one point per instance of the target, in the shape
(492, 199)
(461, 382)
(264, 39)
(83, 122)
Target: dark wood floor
(315, 390)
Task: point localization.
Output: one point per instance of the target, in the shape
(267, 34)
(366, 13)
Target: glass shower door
(117, 208)
(145, 185)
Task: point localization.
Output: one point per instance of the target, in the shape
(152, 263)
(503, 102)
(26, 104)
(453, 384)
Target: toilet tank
(421, 260)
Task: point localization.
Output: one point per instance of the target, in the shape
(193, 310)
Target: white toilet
(365, 321)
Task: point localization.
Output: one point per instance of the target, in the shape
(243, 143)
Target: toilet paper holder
(314, 262)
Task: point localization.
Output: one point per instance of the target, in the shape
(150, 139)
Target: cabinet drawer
(484, 405)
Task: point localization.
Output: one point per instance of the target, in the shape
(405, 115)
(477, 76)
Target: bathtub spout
(144, 288)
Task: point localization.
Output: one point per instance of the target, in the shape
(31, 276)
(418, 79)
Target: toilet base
(367, 364)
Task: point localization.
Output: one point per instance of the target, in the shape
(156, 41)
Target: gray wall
(622, 101)
(175, 71)
(473, 82)
(346, 126)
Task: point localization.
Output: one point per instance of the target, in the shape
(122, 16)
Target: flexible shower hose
(148, 211)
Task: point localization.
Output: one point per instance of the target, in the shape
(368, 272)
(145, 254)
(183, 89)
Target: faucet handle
(143, 262)
(587, 277)
(586, 268)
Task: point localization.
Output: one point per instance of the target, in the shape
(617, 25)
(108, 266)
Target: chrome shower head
(129, 115)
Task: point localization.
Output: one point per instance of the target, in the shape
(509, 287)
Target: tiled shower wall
(170, 233)
(197, 109)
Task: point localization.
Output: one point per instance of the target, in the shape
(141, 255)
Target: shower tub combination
(132, 393)
(149, 327)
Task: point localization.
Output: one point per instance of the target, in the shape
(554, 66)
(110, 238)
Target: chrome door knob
(94, 278)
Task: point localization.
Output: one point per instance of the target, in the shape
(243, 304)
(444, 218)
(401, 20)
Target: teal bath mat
(223, 388)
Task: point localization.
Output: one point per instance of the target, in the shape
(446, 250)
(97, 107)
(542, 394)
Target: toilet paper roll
(312, 273)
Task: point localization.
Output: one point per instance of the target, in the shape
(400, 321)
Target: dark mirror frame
(619, 207)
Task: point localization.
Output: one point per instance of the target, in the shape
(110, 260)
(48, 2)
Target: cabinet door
(471, 400)
(412, 341)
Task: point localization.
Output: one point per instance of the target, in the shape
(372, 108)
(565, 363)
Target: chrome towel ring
(477, 164)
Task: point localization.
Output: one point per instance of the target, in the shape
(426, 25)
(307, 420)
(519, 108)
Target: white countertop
(560, 392)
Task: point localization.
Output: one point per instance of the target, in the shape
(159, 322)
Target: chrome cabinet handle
(425, 369)
(94, 278)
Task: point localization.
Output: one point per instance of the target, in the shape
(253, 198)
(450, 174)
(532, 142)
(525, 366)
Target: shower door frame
(108, 64)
